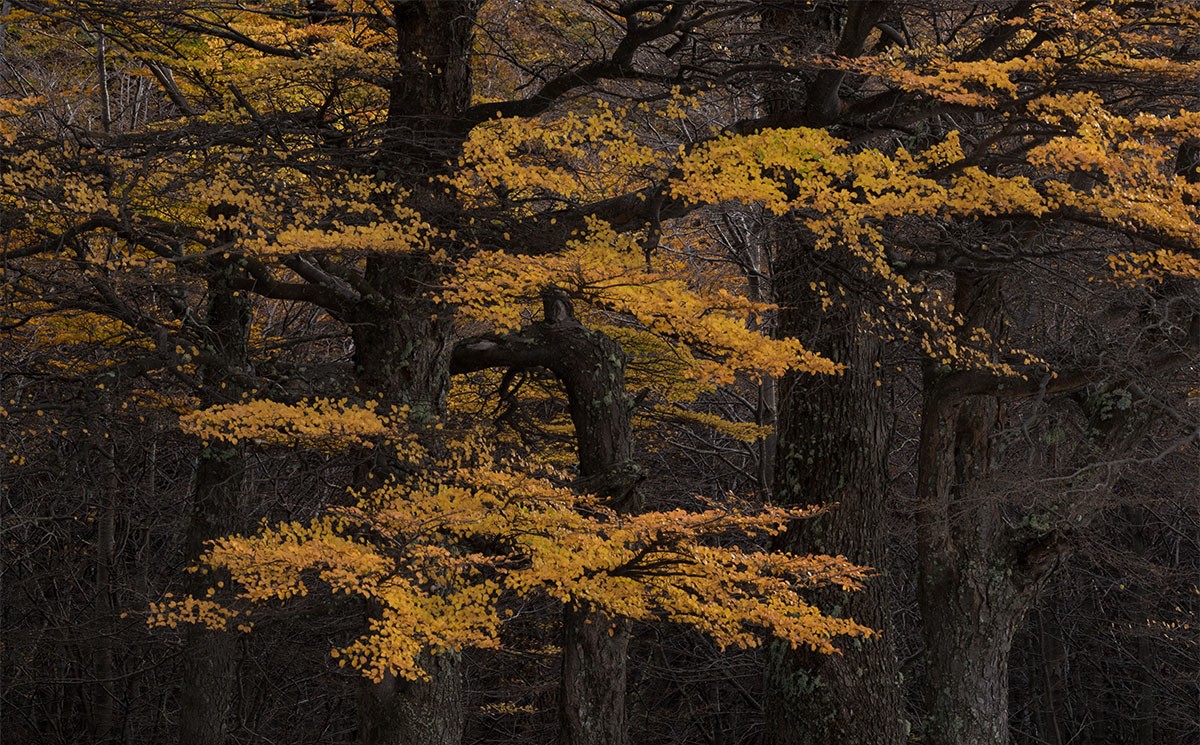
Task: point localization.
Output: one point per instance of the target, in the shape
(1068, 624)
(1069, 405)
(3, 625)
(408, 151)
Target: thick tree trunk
(592, 690)
(832, 436)
(591, 367)
(969, 620)
(209, 677)
(970, 589)
(833, 450)
(210, 657)
(402, 339)
(402, 359)
(427, 712)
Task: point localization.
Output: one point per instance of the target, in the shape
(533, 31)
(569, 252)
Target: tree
(414, 178)
(982, 560)
(369, 234)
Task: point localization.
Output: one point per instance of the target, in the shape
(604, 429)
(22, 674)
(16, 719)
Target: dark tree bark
(401, 357)
(401, 337)
(210, 657)
(832, 438)
(833, 451)
(591, 367)
(592, 689)
(399, 711)
(976, 580)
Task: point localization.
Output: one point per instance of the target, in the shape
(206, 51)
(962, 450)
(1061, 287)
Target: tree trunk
(969, 591)
(401, 358)
(833, 450)
(969, 618)
(832, 435)
(210, 657)
(426, 712)
(591, 367)
(595, 648)
(401, 338)
(592, 690)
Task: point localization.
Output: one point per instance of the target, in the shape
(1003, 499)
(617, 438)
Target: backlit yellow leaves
(171, 612)
(12, 109)
(764, 168)
(51, 196)
(1154, 266)
(854, 198)
(62, 329)
(1102, 38)
(436, 554)
(288, 65)
(609, 270)
(660, 564)
(741, 431)
(247, 202)
(976, 83)
(573, 158)
(320, 423)
(282, 211)
(1054, 41)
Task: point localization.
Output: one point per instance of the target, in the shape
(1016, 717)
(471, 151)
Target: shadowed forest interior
(595, 372)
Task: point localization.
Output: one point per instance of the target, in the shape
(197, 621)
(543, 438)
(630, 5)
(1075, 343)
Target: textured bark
(209, 678)
(400, 712)
(973, 589)
(832, 438)
(592, 708)
(833, 450)
(820, 28)
(431, 85)
(592, 690)
(401, 338)
(969, 618)
(1052, 659)
(402, 358)
(591, 367)
(210, 657)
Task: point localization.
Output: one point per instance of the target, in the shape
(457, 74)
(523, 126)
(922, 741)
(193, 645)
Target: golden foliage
(708, 328)
(436, 554)
(573, 158)
(321, 423)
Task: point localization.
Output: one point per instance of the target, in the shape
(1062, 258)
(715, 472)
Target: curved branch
(591, 367)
